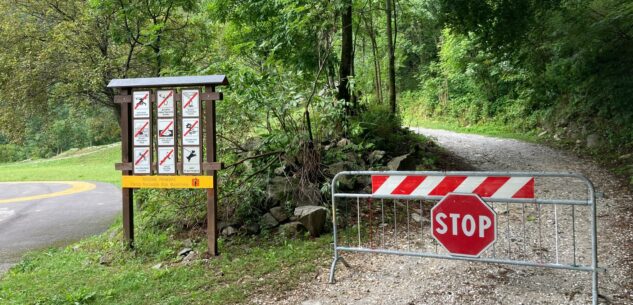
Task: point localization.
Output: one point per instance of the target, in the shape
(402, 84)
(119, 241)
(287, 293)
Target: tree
(347, 53)
(392, 57)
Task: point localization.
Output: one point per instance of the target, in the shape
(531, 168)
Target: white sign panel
(142, 158)
(190, 103)
(141, 133)
(165, 106)
(191, 131)
(166, 131)
(140, 104)
(191, 159)
(166, 160)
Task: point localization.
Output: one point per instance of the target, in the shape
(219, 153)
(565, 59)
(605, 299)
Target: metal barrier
(393, 217)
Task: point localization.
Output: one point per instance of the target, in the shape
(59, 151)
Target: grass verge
(100, 270)
(95, 163)
(487, 129)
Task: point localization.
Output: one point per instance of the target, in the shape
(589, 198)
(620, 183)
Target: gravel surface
(381, 279)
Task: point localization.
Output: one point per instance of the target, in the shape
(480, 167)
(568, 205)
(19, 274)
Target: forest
(306, 75)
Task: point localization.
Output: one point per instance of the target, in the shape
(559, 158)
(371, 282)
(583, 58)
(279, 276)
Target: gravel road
(376, 279)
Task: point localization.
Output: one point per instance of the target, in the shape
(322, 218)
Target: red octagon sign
(464, 224)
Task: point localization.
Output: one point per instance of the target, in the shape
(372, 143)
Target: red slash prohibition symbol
(166, 157)
(162, 133)
(190, 100)
(190, 128)
(140, 131)
(141, 101)
(141, 157)
(165, 99)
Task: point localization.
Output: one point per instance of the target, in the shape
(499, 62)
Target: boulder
(252, 228)
(184, 251)
(341, 166)
(375, 156)
(280, 189)
(312, 217)
(279, 214)
(267, 221)
(404, 162)
(291, 229)
(229, 231)
(594, 140)
(343, 142)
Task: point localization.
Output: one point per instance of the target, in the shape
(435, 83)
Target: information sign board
(190, 131)
(165, 106)
(142, 158)
(191, 159)
(166, 131)
(166, 160)
(190, 103)
(140, 105)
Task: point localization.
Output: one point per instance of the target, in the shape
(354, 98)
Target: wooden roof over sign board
(174, 81)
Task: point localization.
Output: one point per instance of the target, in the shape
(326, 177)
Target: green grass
(487, 129)
(73, 275)
(95, 163)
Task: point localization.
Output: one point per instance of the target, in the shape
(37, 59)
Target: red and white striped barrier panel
(486, 187)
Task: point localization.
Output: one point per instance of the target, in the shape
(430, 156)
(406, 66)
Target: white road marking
(5, 213)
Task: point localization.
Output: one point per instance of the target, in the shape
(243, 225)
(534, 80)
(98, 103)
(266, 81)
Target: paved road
(35, 215)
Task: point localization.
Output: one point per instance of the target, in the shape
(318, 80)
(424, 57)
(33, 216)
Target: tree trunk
(374, 51)
(392, 59)
(347, 55)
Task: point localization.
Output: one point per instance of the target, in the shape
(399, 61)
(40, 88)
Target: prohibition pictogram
(166, 160)
(166, 132)
(190, 132)
(190, 127)
(141, 157)
(168, 156)
(142, 160)
(165, 107)
(191, 103)
(141, 102)
(141, 133)
(141, 107)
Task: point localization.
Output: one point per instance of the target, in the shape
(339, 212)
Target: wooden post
(127, 156)
(210, 138)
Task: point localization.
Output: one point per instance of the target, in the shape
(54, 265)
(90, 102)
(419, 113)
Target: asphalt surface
(36, 215)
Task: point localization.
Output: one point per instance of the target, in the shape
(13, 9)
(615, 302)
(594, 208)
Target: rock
(187, 243)
(416, 217)
(280, 189)
(593, 140)
(279, 214)
(404, 162)
(312, 217)
(343, 142)
(375, 156)
(252, 228)
(192, 256)
(622, 157)
(157, 266)
(229, 231)
(184, 251)
(267, 221)
(340, 166)
(280, 171)
(542, 133)
(311, 302)
(291, 229)
(105, 260)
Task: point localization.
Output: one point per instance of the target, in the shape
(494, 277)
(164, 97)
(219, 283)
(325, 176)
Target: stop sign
(464, 224)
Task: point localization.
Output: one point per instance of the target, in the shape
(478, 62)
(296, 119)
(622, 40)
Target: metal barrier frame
(591, 201)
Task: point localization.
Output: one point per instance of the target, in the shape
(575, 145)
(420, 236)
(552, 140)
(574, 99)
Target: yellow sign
(167, 182)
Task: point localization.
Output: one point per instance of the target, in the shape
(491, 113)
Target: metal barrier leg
(333, 268)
